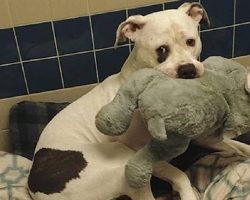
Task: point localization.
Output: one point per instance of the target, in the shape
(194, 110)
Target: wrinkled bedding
(13, 177)
(221, 176)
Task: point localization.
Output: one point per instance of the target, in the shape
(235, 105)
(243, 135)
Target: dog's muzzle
(187, 71)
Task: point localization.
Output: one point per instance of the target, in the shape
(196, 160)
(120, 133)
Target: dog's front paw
(138, 175)
(191, 194)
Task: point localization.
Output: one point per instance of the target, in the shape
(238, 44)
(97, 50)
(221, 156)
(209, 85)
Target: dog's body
(73, 160)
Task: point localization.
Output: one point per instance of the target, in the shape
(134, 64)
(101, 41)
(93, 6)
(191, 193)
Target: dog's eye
(162, 53)
(190, 42)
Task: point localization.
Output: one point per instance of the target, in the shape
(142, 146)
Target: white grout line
(76, 53)
(57, 53)
(107, 48)
(224, 27)
(21, 62)
(163, 6)
(129, 42)
(8, 64)
(39, 59)
(93, 43)
(94, 50)
(64, 55)
(215, 29)
(19, 52)
(233, 45)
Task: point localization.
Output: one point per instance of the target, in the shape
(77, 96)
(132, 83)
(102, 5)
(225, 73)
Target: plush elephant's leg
(139, 168)
(114, 119)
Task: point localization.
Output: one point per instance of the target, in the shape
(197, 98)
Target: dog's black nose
(186, 71)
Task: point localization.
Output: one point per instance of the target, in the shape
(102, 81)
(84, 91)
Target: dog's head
(167, 39)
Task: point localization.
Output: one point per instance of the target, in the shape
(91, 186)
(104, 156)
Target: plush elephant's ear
(156, 128)
(247, 84)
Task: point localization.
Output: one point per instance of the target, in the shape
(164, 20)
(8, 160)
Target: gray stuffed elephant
(177, 111)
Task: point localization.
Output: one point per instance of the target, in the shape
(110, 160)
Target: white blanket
(13, 177)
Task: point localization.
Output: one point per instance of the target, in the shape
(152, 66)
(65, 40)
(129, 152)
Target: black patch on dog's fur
(123, 197)
(52, 169)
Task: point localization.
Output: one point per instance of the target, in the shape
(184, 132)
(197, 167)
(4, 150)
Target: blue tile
(8, 50)
(145, 10)
(36, 41)
(110, 61)
(217, 43)
(43, 75)
(105, 26)
(183, 1)
(242, 40)
(73, 35)
(242, 11)
(172, 5)
(220, 13)
(176, 4)
(78, 69)
(12, 81)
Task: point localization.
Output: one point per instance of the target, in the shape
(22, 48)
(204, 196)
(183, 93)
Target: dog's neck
(131, 65)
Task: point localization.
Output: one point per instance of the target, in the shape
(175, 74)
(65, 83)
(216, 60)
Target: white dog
(73, 160)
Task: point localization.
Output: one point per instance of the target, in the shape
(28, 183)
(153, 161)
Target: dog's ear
(129, 28)
(247, 83)
(197, 12)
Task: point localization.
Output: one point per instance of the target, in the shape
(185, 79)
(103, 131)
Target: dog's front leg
(178, 179)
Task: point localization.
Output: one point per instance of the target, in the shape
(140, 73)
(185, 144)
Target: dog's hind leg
(226, 144)
(230, 145)
(178, 179)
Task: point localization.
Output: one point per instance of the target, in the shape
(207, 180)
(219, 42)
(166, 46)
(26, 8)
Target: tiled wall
(70, 43)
